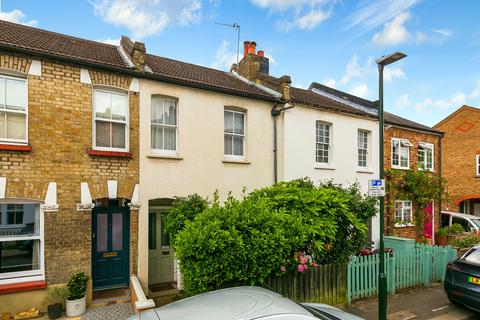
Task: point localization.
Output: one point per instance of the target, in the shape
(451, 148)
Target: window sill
(365, 170)
(426, 170)
(323, 166)
(164, 156)
(15, 147)
(400, 168)
(398, 225)
(117, 154)
(236, 161)
(22, 286)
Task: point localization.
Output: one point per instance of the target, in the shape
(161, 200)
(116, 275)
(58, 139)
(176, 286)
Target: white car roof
(460, 215)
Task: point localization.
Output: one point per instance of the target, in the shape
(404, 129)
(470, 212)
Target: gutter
(275, 113)
(134, 73)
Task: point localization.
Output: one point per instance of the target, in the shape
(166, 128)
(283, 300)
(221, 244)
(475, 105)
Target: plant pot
(55, 310)
(441, 240)
(77, 307)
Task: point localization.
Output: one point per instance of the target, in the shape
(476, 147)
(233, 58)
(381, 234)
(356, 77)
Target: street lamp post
(382, 278)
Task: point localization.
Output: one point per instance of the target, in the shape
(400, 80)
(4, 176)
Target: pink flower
(315, 264)
(303, 260)
(283, 269)
(301, 267)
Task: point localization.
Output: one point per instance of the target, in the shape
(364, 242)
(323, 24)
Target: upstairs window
(477, 164)
(362, 148)
(13, 110)
(425, 156)
(234, 134)
(323, 141)
(111, 120)
(164, 125)
(401, 153)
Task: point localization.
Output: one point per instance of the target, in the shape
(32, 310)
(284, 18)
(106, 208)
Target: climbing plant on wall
(421, 187)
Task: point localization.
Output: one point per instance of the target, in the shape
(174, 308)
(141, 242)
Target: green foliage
(421, 187)
(454, 229)
(442, 232)
(77, 286)
(467, 241)
(56, 294)
(244, 241)
(183, 209)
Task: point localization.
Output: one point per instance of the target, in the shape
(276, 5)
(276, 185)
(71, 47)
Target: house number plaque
(109, 254)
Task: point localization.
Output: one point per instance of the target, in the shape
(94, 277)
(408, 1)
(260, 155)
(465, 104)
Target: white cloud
(376, 13)
(148, 17)
(17, 16)
(114, 42)
(443, 32)
(475, 93)
(391, 73)
(224, 58)
(330, 82)
(426, 106)
(394, 32)
(354, 70)
(298, 14)
(402, 102)
(360, 91)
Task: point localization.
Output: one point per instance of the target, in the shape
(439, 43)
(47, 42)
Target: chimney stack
(136, 51)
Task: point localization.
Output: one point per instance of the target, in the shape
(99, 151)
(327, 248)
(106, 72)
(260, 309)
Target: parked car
(462, 279)
(244, 303)
(468, 222)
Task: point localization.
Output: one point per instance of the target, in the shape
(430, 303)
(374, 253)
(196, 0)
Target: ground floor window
(403, 212)
(21, 242)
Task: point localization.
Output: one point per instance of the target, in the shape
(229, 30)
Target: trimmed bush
(245, 241)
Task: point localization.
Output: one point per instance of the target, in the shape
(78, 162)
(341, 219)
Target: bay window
(164, 125)
(110, 120)
(21, 242)
(234, 134)
(13, 110)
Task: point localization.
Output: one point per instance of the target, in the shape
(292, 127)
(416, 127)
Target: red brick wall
(415, 137)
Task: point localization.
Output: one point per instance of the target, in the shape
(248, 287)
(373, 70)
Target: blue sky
(329, 41)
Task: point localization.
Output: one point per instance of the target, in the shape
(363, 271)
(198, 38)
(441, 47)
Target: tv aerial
(235, 26)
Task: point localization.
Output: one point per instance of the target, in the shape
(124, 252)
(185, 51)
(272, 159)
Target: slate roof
(389, 118)
(33, 41)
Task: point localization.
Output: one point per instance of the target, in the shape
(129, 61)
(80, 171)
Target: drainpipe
(275, 113)
(440, 183)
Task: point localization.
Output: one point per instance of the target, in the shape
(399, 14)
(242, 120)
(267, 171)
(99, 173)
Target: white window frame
(16, 141)
(244, 135)
(126, 122)
(425, 146)
(403, 143)
(329, 145)
(367, 148)
(31, 275)
(410, 206)
(477, 164)
(176, 126)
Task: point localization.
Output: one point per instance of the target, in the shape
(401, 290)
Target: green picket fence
(421, 265)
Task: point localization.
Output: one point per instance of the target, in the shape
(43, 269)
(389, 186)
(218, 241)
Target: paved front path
(417, 304)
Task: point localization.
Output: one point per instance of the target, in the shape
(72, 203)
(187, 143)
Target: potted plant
(441, 237)
(56, 296)
(77, 287)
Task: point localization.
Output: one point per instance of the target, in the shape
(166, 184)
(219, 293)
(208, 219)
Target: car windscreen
(472, 256)
(476, 222)
(319, 313)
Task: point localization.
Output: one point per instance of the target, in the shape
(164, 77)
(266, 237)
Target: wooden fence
(321, 284)
(421, 265)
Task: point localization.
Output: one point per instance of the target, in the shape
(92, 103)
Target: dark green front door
(111, 247)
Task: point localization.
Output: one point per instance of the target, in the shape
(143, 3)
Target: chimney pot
(246, 45)
(261, 53)
(252, 48)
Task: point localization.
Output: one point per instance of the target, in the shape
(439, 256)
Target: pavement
(418, 304)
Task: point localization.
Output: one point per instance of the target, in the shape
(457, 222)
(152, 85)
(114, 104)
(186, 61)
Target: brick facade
(415, 137)
(60, 135)
(460, 146)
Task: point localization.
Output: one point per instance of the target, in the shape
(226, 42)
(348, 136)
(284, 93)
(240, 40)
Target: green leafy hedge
(244, 241)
